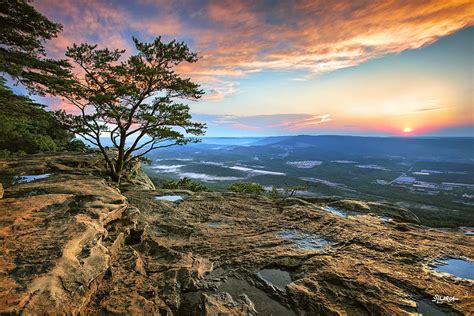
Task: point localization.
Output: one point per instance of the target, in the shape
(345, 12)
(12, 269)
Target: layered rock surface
(72, 243)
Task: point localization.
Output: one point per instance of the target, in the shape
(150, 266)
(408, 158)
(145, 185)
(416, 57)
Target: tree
(131, 100)
(26, 127)
(23, 31)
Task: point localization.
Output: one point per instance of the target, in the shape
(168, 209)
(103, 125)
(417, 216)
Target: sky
(385, 68)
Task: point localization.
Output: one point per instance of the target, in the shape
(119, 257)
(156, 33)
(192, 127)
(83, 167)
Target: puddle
(169, 198)
(427, 308)
(235, 287)
(457, 267)
(215, 224)
(275, 277)
(337, 211)
(263, 303)
(305, 241)
(30, 178)
(385, 219)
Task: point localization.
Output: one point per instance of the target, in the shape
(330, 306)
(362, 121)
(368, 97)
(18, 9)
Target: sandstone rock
(73, 244)
(224, 304)
(393, 211)
(52, 241)
(135, 178)
(369, 267)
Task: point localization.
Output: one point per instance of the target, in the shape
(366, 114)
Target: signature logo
(440, 299)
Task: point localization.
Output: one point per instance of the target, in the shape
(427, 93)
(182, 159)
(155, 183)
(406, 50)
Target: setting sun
(407, 130)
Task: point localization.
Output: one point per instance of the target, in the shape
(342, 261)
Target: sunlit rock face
(74, 243)
(53, 236)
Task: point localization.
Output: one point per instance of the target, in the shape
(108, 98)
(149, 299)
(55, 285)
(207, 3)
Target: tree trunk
(117, 173)
(116, 176)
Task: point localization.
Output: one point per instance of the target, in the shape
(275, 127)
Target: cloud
(266, 123)
(430, 109)
(235, 38)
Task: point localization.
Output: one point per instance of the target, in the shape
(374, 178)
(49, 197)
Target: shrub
(288, 192)
(247, 187)
(275, 194)
(184, 184)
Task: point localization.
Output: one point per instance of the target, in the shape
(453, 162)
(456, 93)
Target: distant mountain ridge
(452, 148)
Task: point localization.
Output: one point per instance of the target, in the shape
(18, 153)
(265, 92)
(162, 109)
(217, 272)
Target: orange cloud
(238, 37)
(276, 122)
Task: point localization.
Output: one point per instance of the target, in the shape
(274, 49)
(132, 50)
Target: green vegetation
(247, 187)
(183, 184)
(27, 128)
(23, 30)
(130, 98)
(288, 192)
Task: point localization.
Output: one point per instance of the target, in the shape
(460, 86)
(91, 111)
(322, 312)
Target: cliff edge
(74, 243)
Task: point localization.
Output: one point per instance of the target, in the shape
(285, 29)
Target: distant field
(330, 169)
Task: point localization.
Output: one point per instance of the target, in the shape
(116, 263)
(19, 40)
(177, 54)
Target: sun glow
(407, 130)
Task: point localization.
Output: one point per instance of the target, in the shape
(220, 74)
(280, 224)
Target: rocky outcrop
(54, 238)
(73, 243)
(135, 177)
(54, 242)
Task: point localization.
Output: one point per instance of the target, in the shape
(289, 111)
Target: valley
(438, 185)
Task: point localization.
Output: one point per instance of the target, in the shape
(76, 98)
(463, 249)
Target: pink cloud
(238, 37)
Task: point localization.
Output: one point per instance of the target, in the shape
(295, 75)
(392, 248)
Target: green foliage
(275, 194)
(288, 192)
(27, 127)
(130, 97)
(184, 184)
(23, 31)
(247, 187)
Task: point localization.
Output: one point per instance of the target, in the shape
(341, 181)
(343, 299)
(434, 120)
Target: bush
(184, 184)
(275, 194)
(247, 187)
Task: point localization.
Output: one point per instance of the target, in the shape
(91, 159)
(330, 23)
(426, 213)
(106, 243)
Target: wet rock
(224, 304)
(275, 277)
(1, 191)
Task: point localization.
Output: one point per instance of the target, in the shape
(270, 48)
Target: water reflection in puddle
(426, 308)
(457, 267)
(169, 198)
(336, 211)
(263, 303)
(275, 277)
(385, 219)
(30, 178)
(215, 224)
(304, 241)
